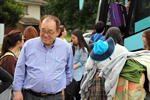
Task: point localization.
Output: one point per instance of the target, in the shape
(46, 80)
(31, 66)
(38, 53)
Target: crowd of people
(46, 67)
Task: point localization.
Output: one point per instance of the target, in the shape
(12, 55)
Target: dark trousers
(72, 90)
(77, 96)
(29, 96)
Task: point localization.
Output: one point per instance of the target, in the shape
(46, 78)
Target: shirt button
(44, 85)
(47, 60)
(46, 77)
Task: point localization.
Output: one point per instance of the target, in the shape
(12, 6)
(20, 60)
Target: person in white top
(102, 53)
(63, 33)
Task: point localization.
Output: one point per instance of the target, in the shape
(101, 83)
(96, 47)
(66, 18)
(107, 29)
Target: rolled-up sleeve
(83, 58)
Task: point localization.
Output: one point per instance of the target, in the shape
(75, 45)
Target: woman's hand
(76, 66)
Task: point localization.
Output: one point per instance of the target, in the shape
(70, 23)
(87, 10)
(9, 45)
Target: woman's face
(22, 42)
(64, 32)
(74, 39)
(144, 39)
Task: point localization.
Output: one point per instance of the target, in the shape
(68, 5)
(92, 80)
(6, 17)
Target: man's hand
(18, 95)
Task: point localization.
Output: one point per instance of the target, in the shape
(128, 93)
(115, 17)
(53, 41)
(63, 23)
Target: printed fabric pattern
(127, 90)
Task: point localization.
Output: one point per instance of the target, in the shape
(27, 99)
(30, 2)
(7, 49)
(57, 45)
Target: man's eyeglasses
(24, 39)
(48, 33)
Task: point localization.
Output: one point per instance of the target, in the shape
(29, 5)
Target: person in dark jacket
(6, 80)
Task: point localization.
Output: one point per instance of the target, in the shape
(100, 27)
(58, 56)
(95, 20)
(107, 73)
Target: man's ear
(58, 32)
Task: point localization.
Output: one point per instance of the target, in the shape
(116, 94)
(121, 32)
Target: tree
(11, 12)
(69, 14)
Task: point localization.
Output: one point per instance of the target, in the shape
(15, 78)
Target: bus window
(146, 4)
(141, 10)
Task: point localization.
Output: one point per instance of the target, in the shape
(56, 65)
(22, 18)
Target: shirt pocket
(60, 63)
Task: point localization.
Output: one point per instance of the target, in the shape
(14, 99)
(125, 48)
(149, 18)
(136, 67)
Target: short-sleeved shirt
(96, 35)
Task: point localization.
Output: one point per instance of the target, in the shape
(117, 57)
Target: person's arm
(69, 67)
(82, 59)
(91, 39)
(19, 75)
(89, 64)
(6, 79)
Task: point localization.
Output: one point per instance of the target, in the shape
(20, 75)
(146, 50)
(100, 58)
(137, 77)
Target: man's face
(48, 32)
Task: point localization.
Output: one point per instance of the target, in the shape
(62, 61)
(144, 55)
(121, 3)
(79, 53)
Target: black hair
(10, 40)
(62, 30)
(81, 41)
(99, 26)
(115, 33)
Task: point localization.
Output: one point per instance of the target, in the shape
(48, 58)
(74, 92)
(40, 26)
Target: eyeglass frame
(24, 39)
(48, 33)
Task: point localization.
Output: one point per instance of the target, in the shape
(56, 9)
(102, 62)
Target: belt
(40, 94)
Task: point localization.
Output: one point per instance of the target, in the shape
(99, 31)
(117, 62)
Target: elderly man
(45, 65)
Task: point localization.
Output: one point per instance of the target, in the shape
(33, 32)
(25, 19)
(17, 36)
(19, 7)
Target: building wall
(33, 11)
(19, 27)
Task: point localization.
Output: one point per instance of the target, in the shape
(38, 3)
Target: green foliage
(68, 38)
(69, 14)
(10, 12)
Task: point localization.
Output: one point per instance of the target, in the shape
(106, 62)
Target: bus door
(103, 11)
(138, 20)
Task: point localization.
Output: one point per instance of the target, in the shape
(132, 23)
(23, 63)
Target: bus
(138, 20)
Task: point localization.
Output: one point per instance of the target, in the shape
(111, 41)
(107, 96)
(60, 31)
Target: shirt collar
(98, 33)
(43, 45)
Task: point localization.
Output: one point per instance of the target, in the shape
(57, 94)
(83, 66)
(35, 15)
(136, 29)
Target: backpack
(7, 54)
(118, 15)
(91, 43)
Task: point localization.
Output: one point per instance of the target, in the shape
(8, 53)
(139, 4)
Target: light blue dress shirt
(44, 70)
(80, 58)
